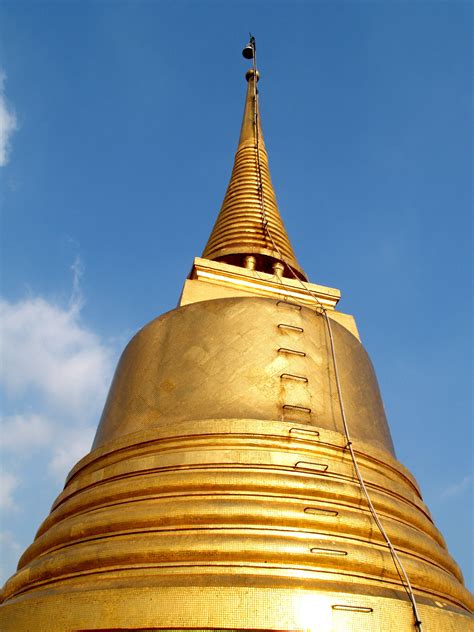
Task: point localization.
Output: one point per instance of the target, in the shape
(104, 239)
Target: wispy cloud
(22, 433)
(76, 302)
(49, 355)
(54, 373)
(73, 444)
(11, 550)
(8, 483)
(8, 122)
(458, 488)
(54, 376)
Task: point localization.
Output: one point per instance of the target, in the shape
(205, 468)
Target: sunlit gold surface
(256, 283)
(207, 504)
(238, 230)
(207, 523)
(220, 494)
(236, 358)
(210, 280)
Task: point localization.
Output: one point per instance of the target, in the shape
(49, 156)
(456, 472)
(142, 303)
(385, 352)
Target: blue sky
(118, 125)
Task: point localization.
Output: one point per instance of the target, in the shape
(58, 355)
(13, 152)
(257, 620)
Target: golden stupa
(243, 475)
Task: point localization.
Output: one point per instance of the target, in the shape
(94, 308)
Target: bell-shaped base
(234, 524)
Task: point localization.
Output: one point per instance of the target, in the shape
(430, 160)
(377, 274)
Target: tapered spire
(249, 224)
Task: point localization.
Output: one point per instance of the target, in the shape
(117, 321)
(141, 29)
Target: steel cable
(321, 310)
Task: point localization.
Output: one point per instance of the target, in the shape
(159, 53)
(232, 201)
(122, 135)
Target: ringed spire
(249, 230)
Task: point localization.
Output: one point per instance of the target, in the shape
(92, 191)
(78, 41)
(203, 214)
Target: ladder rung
(291, 376)
(291, 327)
(294, 407)
(291, 351)
(321, 551)
(303, 431)
(318, 511)
(319, 467)
(352, 608)
(288, 304)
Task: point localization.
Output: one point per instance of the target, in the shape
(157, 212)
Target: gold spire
(240, 230)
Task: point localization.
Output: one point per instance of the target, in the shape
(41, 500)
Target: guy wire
(261, 192)
(321, 310)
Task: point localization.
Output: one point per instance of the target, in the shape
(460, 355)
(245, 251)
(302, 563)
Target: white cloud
(49, 354)
(8, 483)
(10, 551)
(54, 375)
(76, 302)
(8, 122)
(21, 433)
(458, 488)
(73, 444)
(55, 372)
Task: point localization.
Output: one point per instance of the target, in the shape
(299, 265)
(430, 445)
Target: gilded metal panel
(221, 359)
(209, 523)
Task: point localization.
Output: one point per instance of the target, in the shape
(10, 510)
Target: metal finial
(249, 50)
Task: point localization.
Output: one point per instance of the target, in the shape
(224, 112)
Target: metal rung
(293, 305)
(328, 551)
(292, 327)
(324, 512)
(303, 431)
(291, 376)
(352, 608)
(320, 467)
(293, 407)
(291, 351)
